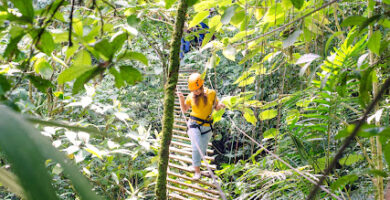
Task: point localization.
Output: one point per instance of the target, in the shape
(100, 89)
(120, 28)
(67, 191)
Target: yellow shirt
(202, 111)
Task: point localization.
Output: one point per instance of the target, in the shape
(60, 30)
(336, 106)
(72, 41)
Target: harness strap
(202, 122)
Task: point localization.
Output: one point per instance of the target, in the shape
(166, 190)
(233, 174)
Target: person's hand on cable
(219, 106)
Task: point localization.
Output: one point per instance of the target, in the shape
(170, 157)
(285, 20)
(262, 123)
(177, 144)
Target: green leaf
(39, 83)
(217, 115)
(297, 3)
(132, 55)
(26, 8)
(12, 46)
(250, 117)
(78, 85)
(130, 74)
(343, 181)
(230, 52)
(228, 14)
(330, 40)
(73, 73)
(247, 81)
(104, 48)
(271, 133)
(117, 41)
(24, 154)
(268, 114)
(374, 42)
(191, 2)
(351, 159)
(133, 20)
(78, 27)
(82, 58)
(353, 21)
(46, 43)
(169, 3)
(119, 81)
(238, 18)
(291, 39)
(81, 64)
(199, 17)
(42, 67)
(4, 85)
(292, 116)
(27, 150)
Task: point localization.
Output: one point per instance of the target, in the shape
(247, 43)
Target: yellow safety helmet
(195, 81)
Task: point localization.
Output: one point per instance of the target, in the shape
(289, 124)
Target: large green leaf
(81, 64)
(42, 67)
(374, 42)
(135, 56)
(78, 85)
(26, 8)
(4, 85)
(39, 83)
(119, 81)
(73, 72)
(343, 181)
(230, 52)
(117, 41)
(130, 74)
(217, 115)
(228, 14)
(199, 17)
(268, 114)
(12, 46)
(46, 43)
(250, 116)
(169, 3)
(104, 48)
(270, 133)
(353, 20)
(27, 150)
(297, 3)
(351, 159)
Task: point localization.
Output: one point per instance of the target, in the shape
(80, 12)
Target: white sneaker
(196, 176)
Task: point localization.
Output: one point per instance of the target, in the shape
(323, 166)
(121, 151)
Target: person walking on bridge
(202, 101)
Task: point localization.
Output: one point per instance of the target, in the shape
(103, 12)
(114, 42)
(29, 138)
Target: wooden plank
(180, 127)
(180, 121)
(180, 132)
(176, 197)
(189, 160)
(182, 168)
(191, 179)
(193, 186)
(188, 169)
(202, 196)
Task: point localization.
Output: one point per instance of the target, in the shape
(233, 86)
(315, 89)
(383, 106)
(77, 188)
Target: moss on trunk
(169, 100)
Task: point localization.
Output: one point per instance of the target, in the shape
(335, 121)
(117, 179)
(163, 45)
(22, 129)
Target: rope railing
(215, 182)
(284, 162)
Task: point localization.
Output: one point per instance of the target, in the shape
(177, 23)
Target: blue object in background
(186, 45)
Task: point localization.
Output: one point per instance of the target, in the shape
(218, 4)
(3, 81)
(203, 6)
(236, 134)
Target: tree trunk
(169, 100)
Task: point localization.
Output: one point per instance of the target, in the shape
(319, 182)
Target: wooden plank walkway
(179, 182)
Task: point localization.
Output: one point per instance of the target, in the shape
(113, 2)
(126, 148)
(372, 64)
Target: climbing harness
(202, 122)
